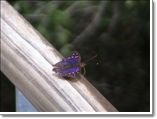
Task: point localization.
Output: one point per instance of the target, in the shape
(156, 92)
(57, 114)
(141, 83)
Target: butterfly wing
(75, 58)
(69, 66)
(69, 72)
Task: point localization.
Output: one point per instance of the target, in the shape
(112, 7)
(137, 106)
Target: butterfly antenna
(92, 58)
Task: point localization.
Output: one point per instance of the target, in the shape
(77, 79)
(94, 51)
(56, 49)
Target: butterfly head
(82, 64)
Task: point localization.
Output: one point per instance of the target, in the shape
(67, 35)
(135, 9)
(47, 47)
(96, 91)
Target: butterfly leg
(73, 74)
(84, 71)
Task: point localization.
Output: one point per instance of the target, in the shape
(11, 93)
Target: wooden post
(27, 59)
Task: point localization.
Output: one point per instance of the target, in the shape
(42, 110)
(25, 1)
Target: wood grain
(27, 59)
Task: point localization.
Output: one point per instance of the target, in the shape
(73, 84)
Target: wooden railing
(27, 59)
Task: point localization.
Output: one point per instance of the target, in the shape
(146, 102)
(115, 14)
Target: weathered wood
(27, 58)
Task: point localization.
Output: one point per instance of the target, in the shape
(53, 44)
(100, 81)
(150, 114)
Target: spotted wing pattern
(68, 67)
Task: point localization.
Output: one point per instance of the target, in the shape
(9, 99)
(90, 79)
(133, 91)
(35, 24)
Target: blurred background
(118, 32)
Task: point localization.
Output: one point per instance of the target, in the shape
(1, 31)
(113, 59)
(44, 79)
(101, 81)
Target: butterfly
(69, 67)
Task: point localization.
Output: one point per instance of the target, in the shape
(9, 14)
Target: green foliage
(63, 36)
(23, 7)
(65, 50)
